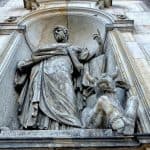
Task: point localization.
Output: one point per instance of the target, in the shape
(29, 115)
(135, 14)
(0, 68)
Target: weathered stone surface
(3, 2)
(132, 60)
(65, 139)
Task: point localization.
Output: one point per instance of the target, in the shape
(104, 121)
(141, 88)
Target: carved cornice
(47, 12)
(34, 4)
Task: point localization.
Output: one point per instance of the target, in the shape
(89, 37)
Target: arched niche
(81, 22)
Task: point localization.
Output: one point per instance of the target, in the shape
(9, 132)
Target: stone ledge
(83, 138)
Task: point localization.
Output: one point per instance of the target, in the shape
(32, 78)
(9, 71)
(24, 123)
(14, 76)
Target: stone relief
(66, 87)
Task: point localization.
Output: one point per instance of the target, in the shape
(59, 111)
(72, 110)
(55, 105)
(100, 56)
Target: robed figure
(46, 87)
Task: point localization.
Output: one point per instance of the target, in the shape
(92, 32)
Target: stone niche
(38, 27)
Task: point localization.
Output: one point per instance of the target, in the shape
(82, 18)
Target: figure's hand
(95, 36)
(84, 54)
(118, 125)
(20, 65)
(24, 65)
(79, 67)
(98, 37)
(90, 78)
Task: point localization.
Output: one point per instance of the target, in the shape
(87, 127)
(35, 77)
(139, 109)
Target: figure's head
(61, 34)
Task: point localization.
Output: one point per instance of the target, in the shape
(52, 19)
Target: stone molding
(78, 138)
(131, 74)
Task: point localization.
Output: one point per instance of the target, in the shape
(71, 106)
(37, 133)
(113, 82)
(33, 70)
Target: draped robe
(47, 99)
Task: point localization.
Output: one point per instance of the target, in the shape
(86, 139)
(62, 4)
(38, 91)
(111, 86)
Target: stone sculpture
(30, 4)
(104, 3)
(50, 91)
(104, 108)
(65, 86)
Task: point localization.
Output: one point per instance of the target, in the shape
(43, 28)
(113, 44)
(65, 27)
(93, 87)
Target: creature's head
(61, 34)
(106, 83)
